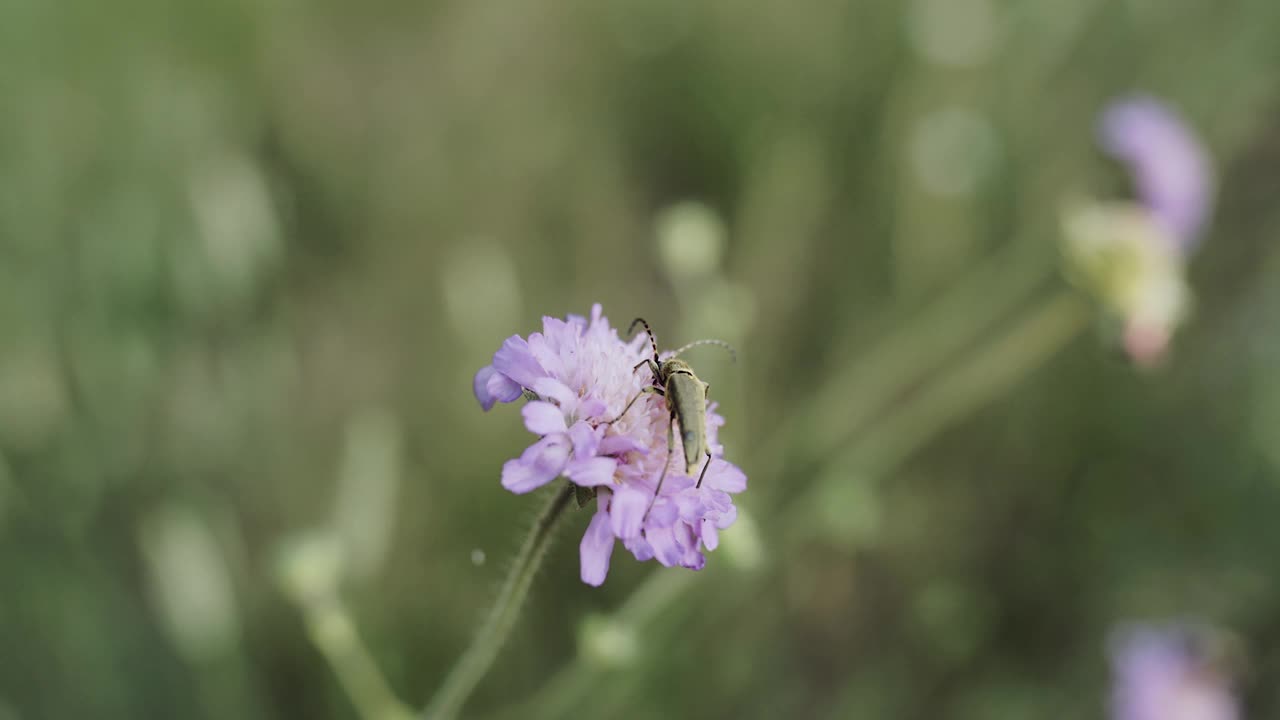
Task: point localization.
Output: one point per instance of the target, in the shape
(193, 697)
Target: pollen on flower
(582, 376)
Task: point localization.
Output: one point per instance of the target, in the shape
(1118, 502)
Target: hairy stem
(478, 658)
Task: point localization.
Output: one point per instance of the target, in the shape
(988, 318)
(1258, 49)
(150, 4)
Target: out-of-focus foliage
(252, 253)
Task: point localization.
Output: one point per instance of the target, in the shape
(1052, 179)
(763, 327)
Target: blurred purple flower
(1162, 673)
(1171, 168)
(581, 374)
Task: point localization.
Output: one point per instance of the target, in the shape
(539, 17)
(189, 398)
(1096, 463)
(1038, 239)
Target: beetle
(686, 397)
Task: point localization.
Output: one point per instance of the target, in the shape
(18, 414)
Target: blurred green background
(252, 253)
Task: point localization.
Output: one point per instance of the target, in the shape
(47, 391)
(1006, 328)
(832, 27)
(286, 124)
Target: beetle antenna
(733, 354)
(652, 342)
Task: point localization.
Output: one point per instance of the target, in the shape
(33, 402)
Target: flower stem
(308, 570)
(334, 633)
(479, 657)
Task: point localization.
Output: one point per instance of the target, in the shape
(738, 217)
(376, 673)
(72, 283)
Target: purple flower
(1170, 167)
(581, 376)
(1163, 673)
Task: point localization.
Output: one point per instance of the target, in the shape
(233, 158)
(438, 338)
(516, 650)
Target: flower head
(1167, 673)
(581, 377)
(1133, 255)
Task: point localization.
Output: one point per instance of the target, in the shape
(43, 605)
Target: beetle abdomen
(687, 398)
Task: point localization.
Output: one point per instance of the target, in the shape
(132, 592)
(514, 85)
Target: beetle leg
(652, 389)
(653, 366)
(671, 436)
(704, 470)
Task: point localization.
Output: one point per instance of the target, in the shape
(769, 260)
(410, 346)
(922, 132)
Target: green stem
(476, 661)
(308, 572)
(333, 632)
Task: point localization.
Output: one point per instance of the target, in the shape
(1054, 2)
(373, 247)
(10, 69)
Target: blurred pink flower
(1133, 254)
(1162, 673)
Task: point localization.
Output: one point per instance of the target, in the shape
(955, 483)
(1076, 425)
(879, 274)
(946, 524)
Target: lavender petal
(592, 472)
(626, 512)
(516, 361)
(1170, 166)
(595, 549)
(541, 463)
(543, 418)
